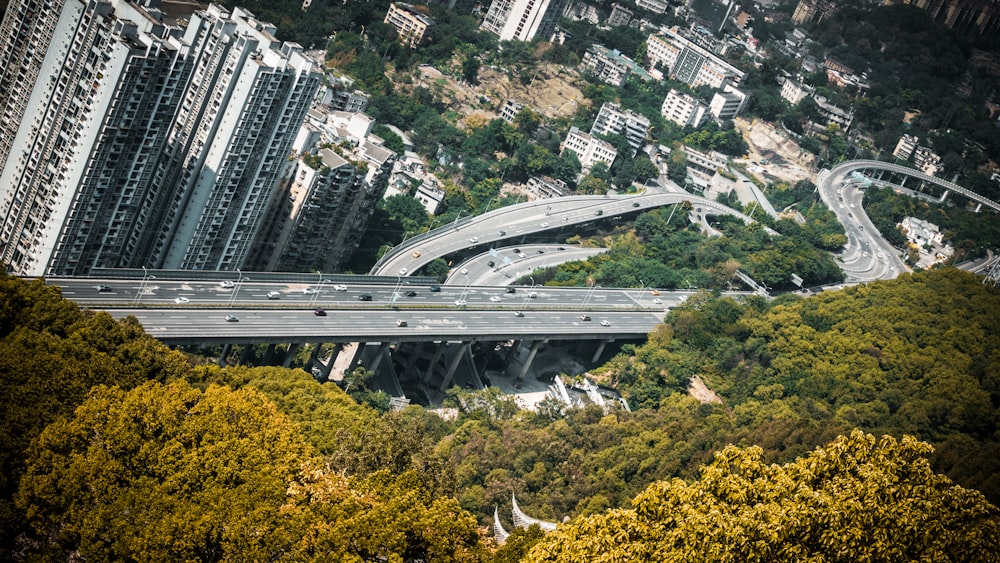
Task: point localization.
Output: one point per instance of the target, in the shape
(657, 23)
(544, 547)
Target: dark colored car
(320, 312)
(411, 293)
(435, 288)
(511, 290)
(103, 288)
(364, 297)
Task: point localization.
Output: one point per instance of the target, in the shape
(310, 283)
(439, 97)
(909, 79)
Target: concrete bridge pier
(226, 350)
(290, 354)
(246, 355)
(433, 363)
(269, 354)
(600, 350)
(527, 362)
(450, 374)
(380, 354)
(359, 353)
(314, 356)
(328, 368)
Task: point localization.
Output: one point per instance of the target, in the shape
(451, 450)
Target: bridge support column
(512, 351)
(290, 354)
(527, 362)
(356, 358)
(415, 351)
(450, 374)
(328, 369)
(314, 356)
(226, 350)
(246, 355)
(383, 351)
(600, 350)
(944, 196)
(433, 362)
(269, 354)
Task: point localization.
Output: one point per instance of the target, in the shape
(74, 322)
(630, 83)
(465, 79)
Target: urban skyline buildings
(138, 142)
(523, 20)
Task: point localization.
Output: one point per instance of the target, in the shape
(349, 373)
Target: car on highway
(517, 251)
(340, 287)
(402, 271)
(599, 212)
(474, 240)
(181, 300)
(319, 312)
(635, 204)
(400, 323)
(533, 294)
(273, 295)
(518, 314)
(226, 284)
(464, 271)
(416, 254)
(411, 293)
(232, 319)
(491, 263)
(364, 297)
(435, 288)
(657, 301)
(511, 290)
(654, 292)
(584, 317)
(544, 225)
(103, 288)
(501, 233)
(540, 252)
(522, 255)
(605, 322)
(495, 299)
(308, 290)
(461, 302)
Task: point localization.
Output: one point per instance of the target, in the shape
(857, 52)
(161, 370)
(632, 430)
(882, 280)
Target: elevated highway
(509, 225)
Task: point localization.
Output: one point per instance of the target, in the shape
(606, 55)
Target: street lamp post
(142, 286)
(457, 217)
(239, 284)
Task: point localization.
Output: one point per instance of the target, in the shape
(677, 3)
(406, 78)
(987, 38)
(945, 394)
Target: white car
(605, 322)
(464, 271)
(308, 290)
(226, 284)
(495, 299)
(474, 240)
(545, 225)
(460, 302)
(181, 300)
(657, 301)
(340, 287)
(402, 271)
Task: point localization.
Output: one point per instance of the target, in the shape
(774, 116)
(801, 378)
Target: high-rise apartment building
(141, 143)
(411, 25)
(589, 149)
(522, 20)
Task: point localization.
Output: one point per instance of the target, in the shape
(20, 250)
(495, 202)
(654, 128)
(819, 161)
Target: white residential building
(793, 92)
(905, 147)
(684, 110)
(522, 20)
(612, 119)
(728, 103)
(610, 66)
(411, 25)
(589, 149)
(689, 62)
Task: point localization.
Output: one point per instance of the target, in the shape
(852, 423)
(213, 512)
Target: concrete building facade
(728, 103)
(684, 110)
(523, 20)
(412, 25)
(612, 119)
(689, 62)
(589, 149)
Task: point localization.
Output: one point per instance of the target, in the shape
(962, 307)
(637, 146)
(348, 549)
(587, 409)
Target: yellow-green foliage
(855, 499)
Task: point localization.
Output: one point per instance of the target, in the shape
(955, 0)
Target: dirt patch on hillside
(551, 91)
(783, 157)
(700, 391)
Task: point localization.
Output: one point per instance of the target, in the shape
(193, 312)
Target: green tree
(855, 499)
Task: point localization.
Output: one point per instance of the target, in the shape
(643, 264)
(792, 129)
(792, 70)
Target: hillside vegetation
(135, 454)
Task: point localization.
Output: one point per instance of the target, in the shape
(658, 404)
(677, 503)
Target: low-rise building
(921, 232)
(611, 66)
(793, 92)
(683, 109)
(655, 6)
(928, 161)
(728, 103)
(510, 110)
(544, 187)
(612, 119)
(620, 15)
(412, 25)
(905, 147)
(589, 149)
(688, 61)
